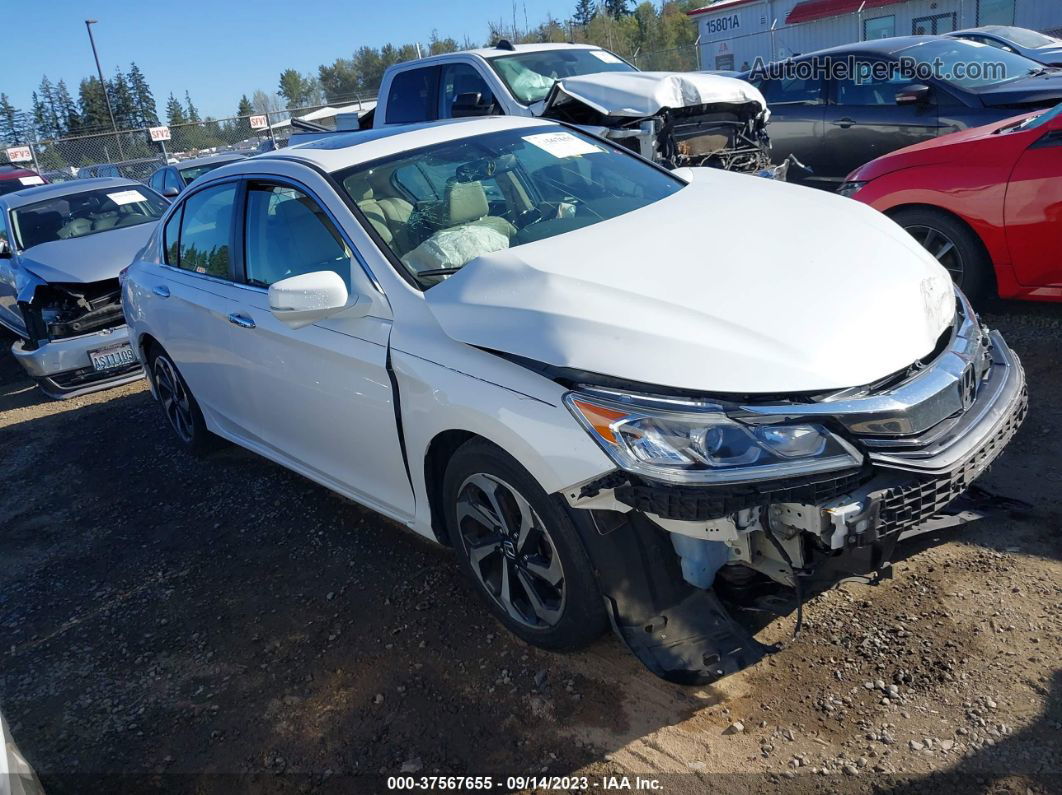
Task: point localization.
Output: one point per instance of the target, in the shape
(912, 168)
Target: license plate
(111, 358)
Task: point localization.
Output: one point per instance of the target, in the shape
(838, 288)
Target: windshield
(440, 207)
(1024, 37)
(188, 174)
(530, 76)
(86, 213)
(970, 65)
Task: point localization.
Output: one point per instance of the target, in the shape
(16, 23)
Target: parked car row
(500, 333)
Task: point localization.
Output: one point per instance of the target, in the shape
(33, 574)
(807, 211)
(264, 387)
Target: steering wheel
(528, 217)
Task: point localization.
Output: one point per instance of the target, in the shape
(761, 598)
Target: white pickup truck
(674, 118)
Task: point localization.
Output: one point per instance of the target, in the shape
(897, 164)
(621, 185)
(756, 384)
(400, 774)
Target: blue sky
(220, 49)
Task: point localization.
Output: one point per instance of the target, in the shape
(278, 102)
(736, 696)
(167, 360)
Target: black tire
(965, 258)
(572, 613)
(179, 406)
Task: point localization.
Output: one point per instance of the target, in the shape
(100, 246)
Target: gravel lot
(175, 621)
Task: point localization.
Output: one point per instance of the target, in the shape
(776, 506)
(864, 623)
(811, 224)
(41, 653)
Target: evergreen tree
(11, 122)
(41, 121)
(584, 12)
(47, 121)
(146, 112)
(122, 103)
(245, 108)
(93, 104)
(192, 111)
(68, 114)
(617, 8)
(175, 112)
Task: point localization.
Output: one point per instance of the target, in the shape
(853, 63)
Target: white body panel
(802, 310)
(640, 297)
(640, 94)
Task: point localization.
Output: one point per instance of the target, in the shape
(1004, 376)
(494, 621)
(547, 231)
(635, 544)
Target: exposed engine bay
(677, 120)
(57, 311)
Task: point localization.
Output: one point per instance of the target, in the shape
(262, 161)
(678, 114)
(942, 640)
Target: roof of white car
(54, 190)
(498, 52)
(342, 150)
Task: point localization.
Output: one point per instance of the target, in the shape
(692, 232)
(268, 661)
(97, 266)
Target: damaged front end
(677, 120)
(55, 311)
(75, 339)
(765, 501)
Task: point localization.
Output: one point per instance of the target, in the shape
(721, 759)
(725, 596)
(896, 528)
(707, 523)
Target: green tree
(46, 111)
(68, 113)
(190, 109)
(146, 111)
(12, 128)
(123, 104)
(244, 108)
(617, 8)
(339, 80)
(437, 45)
(175, 115)
(584, 12)
(93, 105)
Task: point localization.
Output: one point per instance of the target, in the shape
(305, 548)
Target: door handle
(844, 123)
(161, 290)
(241, 320)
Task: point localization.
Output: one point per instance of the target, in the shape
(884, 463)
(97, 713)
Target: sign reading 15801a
(722, 24)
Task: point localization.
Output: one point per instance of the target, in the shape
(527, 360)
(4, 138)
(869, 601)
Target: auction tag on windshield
(31, 180)
(562, 144)
(126, 196)
(607, 57)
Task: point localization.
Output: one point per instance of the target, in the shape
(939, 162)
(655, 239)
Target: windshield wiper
(439, 272)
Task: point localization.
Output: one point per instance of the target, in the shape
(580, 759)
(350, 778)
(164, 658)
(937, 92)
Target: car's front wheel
(178, 405)
(520, 549)
(954, 246)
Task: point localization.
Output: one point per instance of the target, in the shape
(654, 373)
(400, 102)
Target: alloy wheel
(942, 248)
(511, 551)
(174, 398)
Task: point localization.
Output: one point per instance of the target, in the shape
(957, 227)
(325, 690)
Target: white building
(733, 33)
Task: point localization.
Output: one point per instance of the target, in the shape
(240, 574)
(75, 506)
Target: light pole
(103, 87)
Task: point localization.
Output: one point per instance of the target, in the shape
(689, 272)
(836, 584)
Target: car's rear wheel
(182, 413)
(953, 245)
(520, 549)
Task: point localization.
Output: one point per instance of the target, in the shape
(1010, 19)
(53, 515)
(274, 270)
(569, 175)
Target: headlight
(707, 446)
(850, 189)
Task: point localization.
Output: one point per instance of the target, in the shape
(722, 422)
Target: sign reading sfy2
(159, 133)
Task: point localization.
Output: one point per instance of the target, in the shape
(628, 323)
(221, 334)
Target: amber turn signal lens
(600, 418)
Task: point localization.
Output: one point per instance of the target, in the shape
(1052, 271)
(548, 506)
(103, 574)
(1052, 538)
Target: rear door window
(206, 231)
(792, 91)
(171, 180)
(413, 96)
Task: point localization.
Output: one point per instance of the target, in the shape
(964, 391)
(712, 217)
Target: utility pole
(103, 86)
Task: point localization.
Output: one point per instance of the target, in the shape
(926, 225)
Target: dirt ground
(224, 625)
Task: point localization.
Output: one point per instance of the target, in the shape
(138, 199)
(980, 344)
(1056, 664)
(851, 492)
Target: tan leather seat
(466, 203)
(361, 191)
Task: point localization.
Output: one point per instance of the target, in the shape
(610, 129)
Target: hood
(1039, 90)
(91, 258)
(638, 94)
(983, 145)
(1049, 54)
(690, 293)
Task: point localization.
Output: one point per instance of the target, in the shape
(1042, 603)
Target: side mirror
(171, 192)
(914, 94)
(304, 299)
(471, 104)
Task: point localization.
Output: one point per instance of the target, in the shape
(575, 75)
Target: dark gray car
(1035, 46)
(840, 108)
(172, 179)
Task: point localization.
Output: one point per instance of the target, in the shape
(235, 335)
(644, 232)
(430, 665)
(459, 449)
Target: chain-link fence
(134, 155)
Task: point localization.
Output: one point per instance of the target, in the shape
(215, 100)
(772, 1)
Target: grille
(915, 502)
(75, 379)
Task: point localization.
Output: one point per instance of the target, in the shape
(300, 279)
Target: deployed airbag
(452, 248)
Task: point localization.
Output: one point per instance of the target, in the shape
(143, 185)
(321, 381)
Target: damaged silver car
(62, 248)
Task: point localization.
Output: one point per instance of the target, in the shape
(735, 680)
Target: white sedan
(621, 394)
